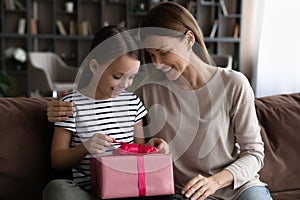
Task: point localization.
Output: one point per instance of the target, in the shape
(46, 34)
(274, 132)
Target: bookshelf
(228, 14)
(72, 42)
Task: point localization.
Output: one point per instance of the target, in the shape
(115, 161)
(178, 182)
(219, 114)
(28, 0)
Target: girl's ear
(93, 65)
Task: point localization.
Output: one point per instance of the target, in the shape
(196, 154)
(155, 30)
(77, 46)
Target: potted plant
(5, 84)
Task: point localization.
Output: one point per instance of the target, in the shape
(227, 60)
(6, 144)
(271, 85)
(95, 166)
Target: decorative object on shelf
(5, 84)
(18, 56)
(69, 5)
(141, 7)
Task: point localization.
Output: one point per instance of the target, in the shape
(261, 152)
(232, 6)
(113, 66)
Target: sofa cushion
(25, 136)
(279, 116)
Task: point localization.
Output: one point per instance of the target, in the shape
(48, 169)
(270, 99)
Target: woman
(205, 113)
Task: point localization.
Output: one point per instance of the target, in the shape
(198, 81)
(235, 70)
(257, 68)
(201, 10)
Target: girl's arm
(139, 137)
(62, 155)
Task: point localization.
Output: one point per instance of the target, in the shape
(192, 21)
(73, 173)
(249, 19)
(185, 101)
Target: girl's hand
(59, 110)
(97, 143)
(160, 144)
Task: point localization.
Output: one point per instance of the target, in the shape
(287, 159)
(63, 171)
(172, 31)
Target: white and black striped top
(115, 117)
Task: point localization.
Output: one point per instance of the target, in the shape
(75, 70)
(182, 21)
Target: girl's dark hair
(109, 43)
(124, 40)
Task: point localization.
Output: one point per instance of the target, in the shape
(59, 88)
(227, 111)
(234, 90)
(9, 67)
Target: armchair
(49, 73)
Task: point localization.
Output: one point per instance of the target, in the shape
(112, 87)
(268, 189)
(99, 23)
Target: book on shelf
(223, 7)
(18, 5)
(236, 30)
(33, 26)
(21, 26)
(72, 28)
(9, 5)
(214, 29)
(85, 28)
(61, 28)
(191, 6)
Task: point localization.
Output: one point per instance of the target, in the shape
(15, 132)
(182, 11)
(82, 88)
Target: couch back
(279, 116)
(25, 137)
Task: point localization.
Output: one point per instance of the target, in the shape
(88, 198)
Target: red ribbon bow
(126, 148)
(137, 148)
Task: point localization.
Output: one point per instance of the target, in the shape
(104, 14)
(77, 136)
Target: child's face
(117, 77)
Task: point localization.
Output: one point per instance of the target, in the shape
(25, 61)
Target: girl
(105, 112)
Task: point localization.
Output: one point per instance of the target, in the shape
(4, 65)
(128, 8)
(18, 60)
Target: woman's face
(117, 77)
(168, 54)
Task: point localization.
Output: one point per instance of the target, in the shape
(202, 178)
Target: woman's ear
(190, 37)
(93, 65)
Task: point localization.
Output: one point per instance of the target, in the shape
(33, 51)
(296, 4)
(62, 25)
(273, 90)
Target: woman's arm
(59, 110)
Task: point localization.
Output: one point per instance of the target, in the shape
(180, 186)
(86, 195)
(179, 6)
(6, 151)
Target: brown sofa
(25, 137)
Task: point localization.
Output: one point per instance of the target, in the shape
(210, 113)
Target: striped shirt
(115, 117)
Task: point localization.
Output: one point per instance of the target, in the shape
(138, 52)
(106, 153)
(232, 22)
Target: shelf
(222, 39)
(14, 35)
(74, 48)
(65, 37)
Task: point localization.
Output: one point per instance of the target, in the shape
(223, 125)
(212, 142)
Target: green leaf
(5, 84)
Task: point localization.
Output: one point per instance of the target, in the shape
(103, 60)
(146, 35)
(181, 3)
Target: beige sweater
(208, 129)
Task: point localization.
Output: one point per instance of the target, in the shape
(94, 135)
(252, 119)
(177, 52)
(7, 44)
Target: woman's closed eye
(117, 77)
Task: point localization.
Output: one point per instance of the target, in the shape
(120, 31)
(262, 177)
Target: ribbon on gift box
(138, 150)
(132, 148)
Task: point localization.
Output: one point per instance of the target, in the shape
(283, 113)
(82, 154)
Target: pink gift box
(119, 176)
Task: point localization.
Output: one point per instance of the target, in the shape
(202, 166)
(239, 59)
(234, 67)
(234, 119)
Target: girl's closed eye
(163, 52)
(132, 77)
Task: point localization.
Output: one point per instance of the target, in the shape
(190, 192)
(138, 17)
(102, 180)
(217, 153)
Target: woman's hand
(160, 144)
(97, 143)
(59, 110)
(201, 187)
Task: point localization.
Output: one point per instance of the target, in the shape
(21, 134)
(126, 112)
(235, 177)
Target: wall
(253, 11)
(270, 46)
(278, 67)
